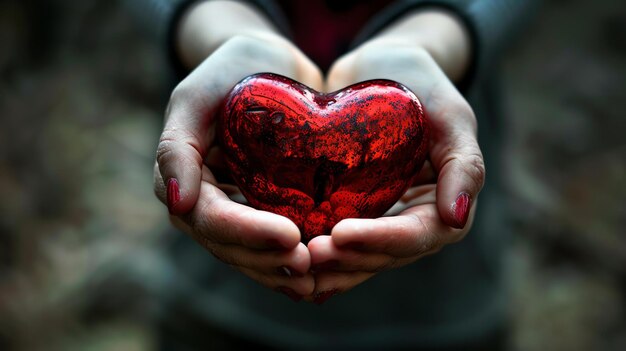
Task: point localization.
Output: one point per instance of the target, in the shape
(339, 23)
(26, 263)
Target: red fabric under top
(324, 29)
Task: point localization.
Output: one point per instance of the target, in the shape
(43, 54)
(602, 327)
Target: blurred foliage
(81, 233)
(80, 100)
(566, 171)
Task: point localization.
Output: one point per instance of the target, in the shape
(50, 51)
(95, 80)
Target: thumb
(457, 157)
(181, 151)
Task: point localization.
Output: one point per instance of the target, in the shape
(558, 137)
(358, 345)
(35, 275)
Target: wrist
(439, 32)
(207, 25)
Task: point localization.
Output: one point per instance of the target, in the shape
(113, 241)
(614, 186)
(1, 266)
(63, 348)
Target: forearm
(440, 32)
(206, 25)
(491, 26)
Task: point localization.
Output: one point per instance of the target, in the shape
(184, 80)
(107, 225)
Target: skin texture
(223, 42)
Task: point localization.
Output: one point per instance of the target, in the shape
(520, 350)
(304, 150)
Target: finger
(181, 149)
(301, 286)
(419, 195)
(295, 262)
(407, 66)
(160, 189)
(326, 256)
(189, 118)
(231, 190)
(417, 231)
(288, 263)
(223, 221)
(216, 162)
(340, 74)
(159, 186)
(329, 284)
(233, 193)
(456, 156)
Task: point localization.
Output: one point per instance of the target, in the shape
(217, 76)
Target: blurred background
(81, 234)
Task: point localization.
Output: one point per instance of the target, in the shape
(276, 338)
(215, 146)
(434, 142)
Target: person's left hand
(429, 216)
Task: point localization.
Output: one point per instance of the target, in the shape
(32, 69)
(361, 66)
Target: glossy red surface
(319, 158)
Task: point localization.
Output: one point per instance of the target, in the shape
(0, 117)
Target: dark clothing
(492, 23)
(325, 29)
(450, 300)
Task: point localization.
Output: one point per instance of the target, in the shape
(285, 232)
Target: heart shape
(318, 158)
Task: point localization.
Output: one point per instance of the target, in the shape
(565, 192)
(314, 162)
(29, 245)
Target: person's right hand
(264, 246)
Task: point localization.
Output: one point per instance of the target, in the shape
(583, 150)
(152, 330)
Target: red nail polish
(290, 293)
(173, 193)
(323, 296)
(461, 209)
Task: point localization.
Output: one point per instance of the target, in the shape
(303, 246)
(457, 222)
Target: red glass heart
(318, 158)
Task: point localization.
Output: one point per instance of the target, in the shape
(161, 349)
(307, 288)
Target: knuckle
(203, 219)
(398, 236)
(423, 238)
(471, 162)
(199, 226)
(427, 243)
(178, 142)
(222, 216)
(163, 150)
(225, 224)
(461, 109)
(181, 97)
(475, 167)
(192, 97)
(468, 114)
(427, 239)
(177, 95)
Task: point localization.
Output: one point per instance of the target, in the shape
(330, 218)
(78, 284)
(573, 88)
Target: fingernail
(461, 209)
(290, 293)
(325, 266)
(323, 296)
(287, 271)
(173, 193)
